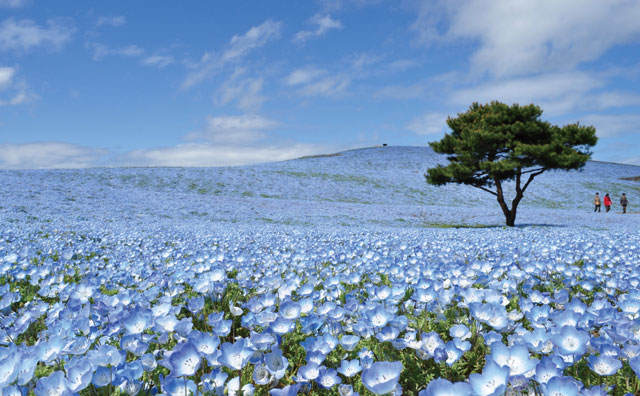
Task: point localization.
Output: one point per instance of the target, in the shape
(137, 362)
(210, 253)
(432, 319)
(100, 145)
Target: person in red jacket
(607, 202)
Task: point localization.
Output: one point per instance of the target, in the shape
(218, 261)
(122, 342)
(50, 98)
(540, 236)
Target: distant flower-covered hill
(370, 188)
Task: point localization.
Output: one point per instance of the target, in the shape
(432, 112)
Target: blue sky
(201, 83)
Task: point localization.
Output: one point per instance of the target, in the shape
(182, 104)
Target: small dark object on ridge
(384, 145)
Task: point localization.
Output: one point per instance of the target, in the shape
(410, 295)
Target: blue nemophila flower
(102, 376)
(26, 367)
(105, 355)
(546, 369)
(316, 357)
(515, 357)
(430, 342)
(289, 390)
(282, 326)
(206, 344)
(604, 365)
(179, 387)
(138, 321)
(148, 362)
(290, 309)
(79, 374)
(309, 372)
(492, 381)
(132, 343)
(349, 342)
(12, 391)
(442, 387)
(460, 331)
(387, 333)
(261, 375)
(635, 365)
(349, 368)
(184, 360)
(560, 386)
(276, 363)
(595, 391)
(571, 341)
(345, 390)
(214, 381)
(53, 385)
(328, 378)
(381, 377)
(262, 341)
(378, 316)
(196, 304)
(453, 352)
(50, 350)
(236, 355)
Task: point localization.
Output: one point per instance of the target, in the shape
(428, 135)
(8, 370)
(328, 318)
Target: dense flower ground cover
(306, 277)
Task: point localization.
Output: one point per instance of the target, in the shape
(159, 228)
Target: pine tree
(493, 143)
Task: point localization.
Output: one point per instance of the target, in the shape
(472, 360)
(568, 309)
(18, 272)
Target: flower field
(338, 275)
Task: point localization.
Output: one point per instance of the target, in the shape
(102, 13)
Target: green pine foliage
(492, 143)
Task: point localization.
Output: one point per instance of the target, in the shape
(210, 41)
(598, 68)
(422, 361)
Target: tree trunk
(509, 214)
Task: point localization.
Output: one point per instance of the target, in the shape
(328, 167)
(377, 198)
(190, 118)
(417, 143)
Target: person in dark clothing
(624, 202)
(607, 202)
(596, 202)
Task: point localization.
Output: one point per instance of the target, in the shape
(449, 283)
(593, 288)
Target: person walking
(596, 202)
(607, 202)
(624, 202)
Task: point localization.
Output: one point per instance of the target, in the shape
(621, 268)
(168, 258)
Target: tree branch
(534, 170)
(531, 177)
(486, 189)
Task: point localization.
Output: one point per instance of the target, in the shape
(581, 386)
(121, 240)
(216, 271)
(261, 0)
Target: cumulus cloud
(245, 91)
(13, 3)
(158, 60)
(322, 25)
(520, 37)
(613, 125)
(48, 155)
(101, 51)
(114, 21)
(429, 124)
(6, 76)
(243, 129)
(556, 93)
(205, 154)
(23, 35)
(12, 92)
(311, 81)
(239, 46)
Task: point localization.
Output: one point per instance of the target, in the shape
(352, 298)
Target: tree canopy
(493, 143)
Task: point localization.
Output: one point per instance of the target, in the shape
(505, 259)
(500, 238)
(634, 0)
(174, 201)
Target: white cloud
(613, 125)
(521, 37)
(239, 46)
(555, 93)
(429, 124)
(101, 51)
(6, 76)
(244, 91)
(317, 82)
(114, 21)
(26, 34)
(13, 3)
(243, 129)
(413, 91)
(205, 154)
(322, 23)
(48, 155)
(158, 60)
(15, 92)
(304, 75)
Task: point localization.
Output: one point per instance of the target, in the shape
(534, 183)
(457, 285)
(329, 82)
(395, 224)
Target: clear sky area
(204, 83)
